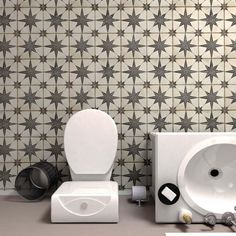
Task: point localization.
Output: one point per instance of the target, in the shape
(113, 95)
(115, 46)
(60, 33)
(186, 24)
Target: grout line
(17, 69)
(43, 38)
(172, 66)
(224, 71)
(198, 50)
(121, 97)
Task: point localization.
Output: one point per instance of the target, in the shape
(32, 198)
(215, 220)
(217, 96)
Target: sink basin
(207, 176)
(193, 173)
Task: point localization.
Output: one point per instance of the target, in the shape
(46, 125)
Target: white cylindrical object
(139, 193)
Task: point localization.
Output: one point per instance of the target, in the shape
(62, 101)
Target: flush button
(83, 205)
(168, 194)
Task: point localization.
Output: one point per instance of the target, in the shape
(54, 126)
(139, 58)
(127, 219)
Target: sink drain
(215, 173)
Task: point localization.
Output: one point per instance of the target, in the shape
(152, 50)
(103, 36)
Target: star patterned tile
(164, 66)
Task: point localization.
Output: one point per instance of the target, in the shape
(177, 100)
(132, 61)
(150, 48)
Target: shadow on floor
(186, 229)
(181, 227)
(146, 211)
(14, 198)
(46, 217)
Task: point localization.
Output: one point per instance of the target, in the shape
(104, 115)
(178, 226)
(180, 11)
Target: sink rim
(184, 163)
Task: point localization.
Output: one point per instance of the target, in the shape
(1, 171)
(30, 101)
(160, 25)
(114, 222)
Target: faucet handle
(210, 219)
(228, 218)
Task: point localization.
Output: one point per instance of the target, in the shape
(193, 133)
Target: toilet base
(85, 201)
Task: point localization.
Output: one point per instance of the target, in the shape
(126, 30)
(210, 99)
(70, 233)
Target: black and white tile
(152, 65)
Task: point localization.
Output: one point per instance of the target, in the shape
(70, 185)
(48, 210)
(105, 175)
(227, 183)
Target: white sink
(207, 176)
(193, 172)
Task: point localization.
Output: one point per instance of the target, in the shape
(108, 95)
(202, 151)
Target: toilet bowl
(90, 143)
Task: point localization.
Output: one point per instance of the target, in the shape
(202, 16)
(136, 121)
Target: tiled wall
(164, 65)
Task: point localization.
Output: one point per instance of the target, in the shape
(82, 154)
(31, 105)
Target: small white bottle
(185, 216)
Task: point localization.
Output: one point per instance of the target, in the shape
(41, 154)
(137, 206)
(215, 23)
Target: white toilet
(90, 143)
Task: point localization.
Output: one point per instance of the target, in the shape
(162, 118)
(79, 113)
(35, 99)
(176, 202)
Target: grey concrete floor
(18, 218)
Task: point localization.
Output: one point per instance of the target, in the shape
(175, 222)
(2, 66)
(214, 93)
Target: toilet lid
(90, 142)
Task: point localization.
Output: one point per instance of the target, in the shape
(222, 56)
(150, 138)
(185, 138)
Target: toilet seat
(90, 142)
